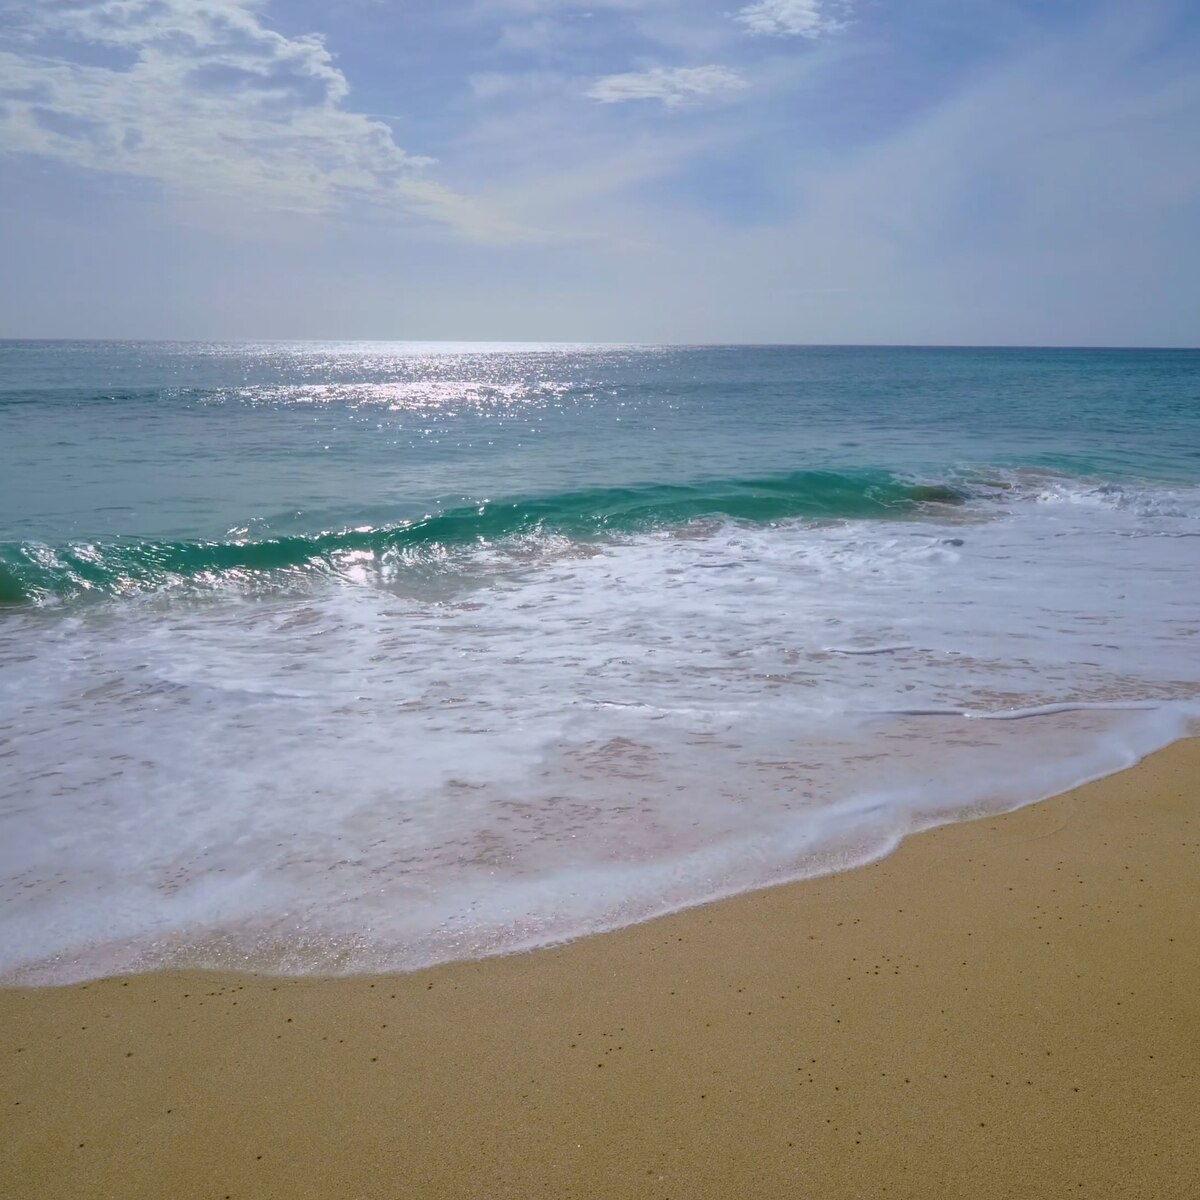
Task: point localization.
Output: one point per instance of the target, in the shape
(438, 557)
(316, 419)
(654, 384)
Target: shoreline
(339, 955)
(1005, 1006)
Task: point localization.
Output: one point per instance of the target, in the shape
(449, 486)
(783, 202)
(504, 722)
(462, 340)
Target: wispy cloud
(202, 97)
(674, 86)
(496, 85)
(794, 18)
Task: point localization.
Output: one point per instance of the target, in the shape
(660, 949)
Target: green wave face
(33, 572)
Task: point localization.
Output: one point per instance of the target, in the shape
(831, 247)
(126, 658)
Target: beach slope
(1003, 1008)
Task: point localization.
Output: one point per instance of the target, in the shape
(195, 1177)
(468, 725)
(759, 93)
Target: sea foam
(550, 740)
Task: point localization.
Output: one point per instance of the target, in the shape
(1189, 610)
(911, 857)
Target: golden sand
(1006, 1008)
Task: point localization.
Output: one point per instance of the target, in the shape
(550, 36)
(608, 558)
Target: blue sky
(937, 171)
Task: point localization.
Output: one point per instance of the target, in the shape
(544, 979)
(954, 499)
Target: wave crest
(32, 572)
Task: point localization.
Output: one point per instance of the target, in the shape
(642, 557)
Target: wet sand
(1004, 1008)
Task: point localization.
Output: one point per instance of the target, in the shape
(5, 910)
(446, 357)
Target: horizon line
(557, 343)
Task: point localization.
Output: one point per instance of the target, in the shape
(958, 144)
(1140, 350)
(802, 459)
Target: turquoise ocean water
(343, 656)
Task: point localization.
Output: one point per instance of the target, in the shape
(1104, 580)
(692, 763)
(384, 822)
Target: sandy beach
(1004, 1008)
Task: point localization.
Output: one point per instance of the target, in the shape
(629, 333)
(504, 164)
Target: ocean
(339, 657)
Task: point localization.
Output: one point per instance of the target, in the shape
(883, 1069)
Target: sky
(778, 171)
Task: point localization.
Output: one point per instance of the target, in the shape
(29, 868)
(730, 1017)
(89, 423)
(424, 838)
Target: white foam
(864, 650)
(363, 779)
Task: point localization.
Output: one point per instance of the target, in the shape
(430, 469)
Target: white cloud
(585, 8)
(497, 85)
(674, 86)
(203, 98)
(791, 18)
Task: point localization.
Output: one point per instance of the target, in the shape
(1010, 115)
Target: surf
(33, 572)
